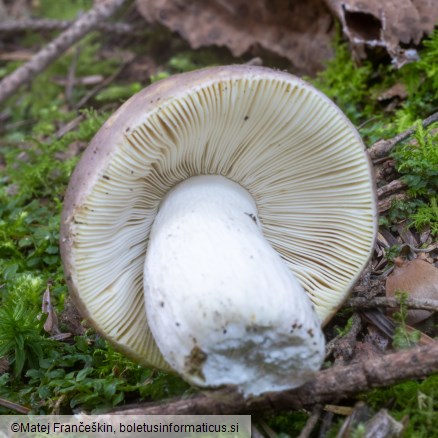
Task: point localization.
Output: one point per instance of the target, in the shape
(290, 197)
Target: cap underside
(288, 145)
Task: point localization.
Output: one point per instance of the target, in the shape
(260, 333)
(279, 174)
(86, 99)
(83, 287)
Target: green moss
(62, 9)
(427, 216)
(416, 400)
(419, 162)
(288, 425)
(403, 338)
(421, 80)
(346, 83)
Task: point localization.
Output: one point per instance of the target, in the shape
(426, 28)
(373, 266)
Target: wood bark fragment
(59, 45)
(392, 187)
(411, 303)
(345, 344)
(338, 382)
(386, 203)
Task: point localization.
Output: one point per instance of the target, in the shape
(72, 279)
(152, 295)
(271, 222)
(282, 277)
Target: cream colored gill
(285, 143)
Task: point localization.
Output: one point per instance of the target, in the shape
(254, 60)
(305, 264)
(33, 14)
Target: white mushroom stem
(222, 305)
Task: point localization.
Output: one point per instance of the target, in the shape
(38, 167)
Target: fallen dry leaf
(398, 91)
(395, 25)
(51, 324)
(299, 31)
(419, 279)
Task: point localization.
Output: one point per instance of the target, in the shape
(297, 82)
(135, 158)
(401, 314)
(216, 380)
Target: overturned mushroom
(215, 221)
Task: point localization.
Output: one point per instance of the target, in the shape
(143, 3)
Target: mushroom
(215, 221)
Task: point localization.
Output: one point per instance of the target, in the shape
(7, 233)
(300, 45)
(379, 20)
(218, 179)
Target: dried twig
(41, 25)
(386, 203)
(411, 303)
(392, 187)
(102, 85)
(59, 45)
(311, 422)
(69, 86)
(14, 406)
(337, 383)
(430, 248)
(383, 147)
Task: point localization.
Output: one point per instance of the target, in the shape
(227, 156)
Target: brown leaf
(417, 277)
(72, 319)
(398, 90)
(51, 324)
(391, 24)
(299, 31)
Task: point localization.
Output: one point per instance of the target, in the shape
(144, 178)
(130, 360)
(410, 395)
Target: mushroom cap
(286, 143)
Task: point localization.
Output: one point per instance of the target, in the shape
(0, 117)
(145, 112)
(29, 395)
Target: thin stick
(59, 45)
(102, 85)
(311, 423)
(41, 25)
(335, 383)
(411, 303)
(383, 147)
(14, 406)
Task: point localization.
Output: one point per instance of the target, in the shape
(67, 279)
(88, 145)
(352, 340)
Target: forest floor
(51, 362)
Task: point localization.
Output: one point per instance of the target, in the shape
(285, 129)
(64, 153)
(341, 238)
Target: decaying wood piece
(338, 382)
(345, 344)
(386, 203)
(394, 25)
(388, 193)
(59, 45)
(392, 187)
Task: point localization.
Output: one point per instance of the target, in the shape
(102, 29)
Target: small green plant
(420, 79)
(392, 252)
(346, 83)
(415, 400)
(427, 216)
(118, 92)
(88, 374)
(419, 163)
(403, 337)
(359, 431)
(342, 331)
(20, 337)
